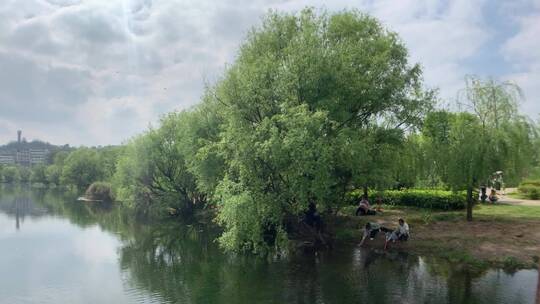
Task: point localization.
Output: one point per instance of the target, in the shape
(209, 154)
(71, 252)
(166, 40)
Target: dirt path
(505, 199)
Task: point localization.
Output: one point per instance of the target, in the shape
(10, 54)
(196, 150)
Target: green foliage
(313, 105)
(81, 168)
(509, 138)
(534, 193)
(530, 189)
(466, 162)
(134, 172)
(24, 174)
(38, 174)
(245, 221)
(511, 264)
(534, 173)
(60, 157)
(53, 174)
(428, 199)
(461, 150)
(154, 169)
(457, 153)
(10, 174)
(436, 144)
(108, 158)
(531, 182)
(100, 191)
(411, 165)
(454, 153)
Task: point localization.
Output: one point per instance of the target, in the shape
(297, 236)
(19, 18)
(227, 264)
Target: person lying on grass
(371, 230)
(400, 234)
(364, 208)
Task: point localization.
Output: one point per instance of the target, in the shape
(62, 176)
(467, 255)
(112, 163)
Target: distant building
(7, 159)
(23, 155)
(38, 156)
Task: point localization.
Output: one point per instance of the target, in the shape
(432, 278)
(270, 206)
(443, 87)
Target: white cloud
(101, 71)
(439, 35)
(95, 247)
(521, 50)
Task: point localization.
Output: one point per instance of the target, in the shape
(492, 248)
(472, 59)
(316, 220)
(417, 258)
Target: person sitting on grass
(493, 196)
(364, 208)
(400, 234)
(371, 230)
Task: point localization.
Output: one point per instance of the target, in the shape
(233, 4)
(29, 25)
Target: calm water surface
(54, 249)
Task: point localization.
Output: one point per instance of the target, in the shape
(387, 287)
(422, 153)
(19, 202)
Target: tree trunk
(469, 203)
(366, 191)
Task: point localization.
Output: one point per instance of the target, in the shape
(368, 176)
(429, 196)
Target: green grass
(508, 211)
(481, 212)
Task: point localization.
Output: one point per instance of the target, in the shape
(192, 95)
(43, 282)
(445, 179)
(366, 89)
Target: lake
(54, 249)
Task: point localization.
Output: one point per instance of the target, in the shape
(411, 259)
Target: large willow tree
(312, 106)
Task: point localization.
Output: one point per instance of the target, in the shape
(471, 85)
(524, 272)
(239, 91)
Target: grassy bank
(501, 235)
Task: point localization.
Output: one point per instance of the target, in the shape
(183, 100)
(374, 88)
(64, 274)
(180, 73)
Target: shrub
(534, 194)
(530, 189)
(429, 199)
(531, 182)
(11, 174)
(100, 191)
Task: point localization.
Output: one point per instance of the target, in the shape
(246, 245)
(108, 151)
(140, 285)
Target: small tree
(38, 174)
(153, 170)
(24, 174)
(455, 151)
(508, 137)
(436, 143)
(81, 168)
(466, 159)
(11, 174)
(53, 174)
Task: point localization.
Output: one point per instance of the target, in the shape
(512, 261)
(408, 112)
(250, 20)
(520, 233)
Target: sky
(98, 72)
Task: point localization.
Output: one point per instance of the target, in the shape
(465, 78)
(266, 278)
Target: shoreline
(490, 241)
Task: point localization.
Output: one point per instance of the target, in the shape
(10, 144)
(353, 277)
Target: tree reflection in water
(181, 263)
(538, 286)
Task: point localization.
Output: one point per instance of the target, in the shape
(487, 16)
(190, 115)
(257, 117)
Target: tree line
(313, 107)
(77, 168)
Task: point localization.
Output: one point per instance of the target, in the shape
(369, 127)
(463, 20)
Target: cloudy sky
(98, 72)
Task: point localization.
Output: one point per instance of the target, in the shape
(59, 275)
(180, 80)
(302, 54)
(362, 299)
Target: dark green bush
(534, 194)
(429, 199)
(100, 191)
(530, 189)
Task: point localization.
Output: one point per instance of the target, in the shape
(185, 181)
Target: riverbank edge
(347, 231)
(344, 230)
